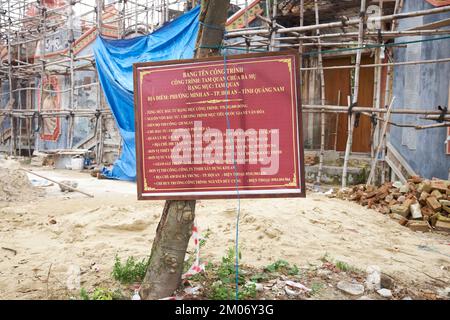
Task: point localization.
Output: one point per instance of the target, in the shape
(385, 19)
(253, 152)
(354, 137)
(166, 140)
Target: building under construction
(375, 78)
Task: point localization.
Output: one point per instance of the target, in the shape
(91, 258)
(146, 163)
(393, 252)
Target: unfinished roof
(330, 10)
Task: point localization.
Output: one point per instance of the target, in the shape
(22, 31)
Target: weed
(248, 292)
(326, 258)
(131, 271)
(226, 270)
(221, 291)
(101, 294)
(284, 267)
(294, 270)
(342, 266)
(224, 286)
(315, 288)
(276, 266)
(205, 236)
(188, 263)
(259, 277)
(84, 295)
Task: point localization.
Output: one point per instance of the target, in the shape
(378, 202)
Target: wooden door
(338, 86)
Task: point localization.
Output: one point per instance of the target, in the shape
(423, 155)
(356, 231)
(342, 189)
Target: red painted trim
(448, 141)
(439, 3)
(238, 14)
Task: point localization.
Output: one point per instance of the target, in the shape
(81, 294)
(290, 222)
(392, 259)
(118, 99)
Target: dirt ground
(44, 240)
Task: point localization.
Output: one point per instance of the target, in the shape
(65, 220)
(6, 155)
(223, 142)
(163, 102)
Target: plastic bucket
(77, 163)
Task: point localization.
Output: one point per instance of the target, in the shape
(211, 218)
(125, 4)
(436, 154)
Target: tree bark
(174, 230)
(166, 262)
(213, 16)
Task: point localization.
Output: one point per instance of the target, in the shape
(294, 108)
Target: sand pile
(14, 183)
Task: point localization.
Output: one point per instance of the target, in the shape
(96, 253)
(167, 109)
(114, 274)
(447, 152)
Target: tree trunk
(213, 16)
(165, 267)
(169, 248)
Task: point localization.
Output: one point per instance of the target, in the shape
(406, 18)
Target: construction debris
(420, 204)
(65, 186)
(354, 289)
(310, 159)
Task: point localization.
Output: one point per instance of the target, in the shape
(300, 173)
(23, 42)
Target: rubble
(385, 293)
(354, 289)
(310, 159)
(373, 280)
(419, 226)
(72, 184)
(420, 204)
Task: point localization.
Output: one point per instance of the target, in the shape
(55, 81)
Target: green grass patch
(130, 271)
(101, 294)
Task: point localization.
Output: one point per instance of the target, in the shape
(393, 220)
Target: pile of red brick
(420, 204)
(310, 159)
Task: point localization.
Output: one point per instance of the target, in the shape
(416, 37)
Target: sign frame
(300, 144)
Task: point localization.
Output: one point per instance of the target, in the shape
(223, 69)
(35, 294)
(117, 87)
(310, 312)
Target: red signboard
(213, 128)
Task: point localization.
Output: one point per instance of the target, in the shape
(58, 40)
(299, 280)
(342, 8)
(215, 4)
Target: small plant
(203, 239)
(224, 287)
(326, 258)
(226, 270)
(315, 288)
(343, 266)
(336, 264)
(259, 277)
(188, 263)
(131, 271)
(294, 270)
(248, 292)
(220, 291)
(276, 266)
(84, 295)
(100, 294)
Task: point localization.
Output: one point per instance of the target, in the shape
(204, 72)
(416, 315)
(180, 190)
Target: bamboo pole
(322, 98)
(355, 91)
(300, 47)
(58, 183)
(391, 17)
(380, 144)
(10, 82)
(350, 126)
(406, 63)
(368, 34)
(274, 25)
(72, 79)
(337, 122)
(376, 134)
(430, 114)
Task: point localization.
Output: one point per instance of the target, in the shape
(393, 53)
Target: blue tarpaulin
(115, 59)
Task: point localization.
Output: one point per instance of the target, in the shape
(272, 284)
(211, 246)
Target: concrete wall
(421, 87)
